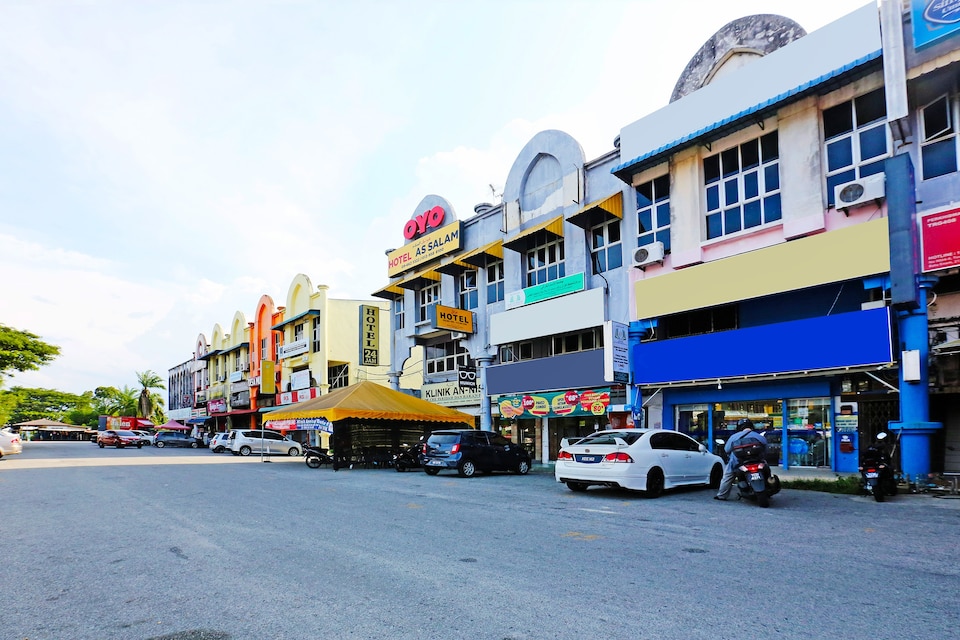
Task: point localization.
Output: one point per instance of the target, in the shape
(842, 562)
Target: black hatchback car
(469, 451)
(175, 439)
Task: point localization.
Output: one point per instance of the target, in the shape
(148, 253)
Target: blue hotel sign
(934, 20)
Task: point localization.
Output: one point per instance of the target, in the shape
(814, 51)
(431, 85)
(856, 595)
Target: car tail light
(455, 448)
(564, 455)
(618, 456)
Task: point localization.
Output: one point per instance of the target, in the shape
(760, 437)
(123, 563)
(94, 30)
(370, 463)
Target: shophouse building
(180, 391)
(228, 363)
(288, 354)
(786, 284)
(512, 307)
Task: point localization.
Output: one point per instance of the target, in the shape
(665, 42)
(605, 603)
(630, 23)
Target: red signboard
(940, 239)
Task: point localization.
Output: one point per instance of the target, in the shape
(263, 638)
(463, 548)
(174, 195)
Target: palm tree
(149, 400)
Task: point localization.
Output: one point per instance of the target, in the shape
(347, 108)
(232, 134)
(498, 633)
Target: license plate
(589, 459)
(434, 463)
(873, 474)
(755, 476)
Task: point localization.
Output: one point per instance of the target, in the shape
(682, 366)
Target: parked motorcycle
(315, 457)
(753, 477)
(877, 475)
(408, 458)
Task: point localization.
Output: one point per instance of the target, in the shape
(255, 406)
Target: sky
(165, 164)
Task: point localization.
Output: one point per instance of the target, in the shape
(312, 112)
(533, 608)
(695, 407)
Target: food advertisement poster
(592, 402)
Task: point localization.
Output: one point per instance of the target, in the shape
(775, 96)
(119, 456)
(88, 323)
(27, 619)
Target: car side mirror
(703, 448)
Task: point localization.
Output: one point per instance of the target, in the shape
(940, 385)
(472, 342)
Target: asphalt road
(190, 545)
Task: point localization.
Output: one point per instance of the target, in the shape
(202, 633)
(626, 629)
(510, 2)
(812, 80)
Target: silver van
(243, 443)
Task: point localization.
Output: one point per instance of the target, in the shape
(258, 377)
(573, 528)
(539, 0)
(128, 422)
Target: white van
(243, 443)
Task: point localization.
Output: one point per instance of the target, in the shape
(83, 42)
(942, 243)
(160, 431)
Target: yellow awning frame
(417, 279)
(519, 243)
(478, 257)
(389, 292)
(599, 211)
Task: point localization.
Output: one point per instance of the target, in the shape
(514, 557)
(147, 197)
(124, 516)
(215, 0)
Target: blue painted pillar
(914, 427)
(908, 295)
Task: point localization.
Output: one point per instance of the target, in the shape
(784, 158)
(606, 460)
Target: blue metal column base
(915, 446)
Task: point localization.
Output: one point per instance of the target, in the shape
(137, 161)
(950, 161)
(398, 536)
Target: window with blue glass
(467, 286)
(398, 315)
(856, 140)
(545, 260)
(606, 250)
(938, 144)
(743, 186)
(427, 297)
(494, 281)
(653, 212)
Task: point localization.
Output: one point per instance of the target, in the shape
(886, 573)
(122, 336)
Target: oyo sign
(431, 219)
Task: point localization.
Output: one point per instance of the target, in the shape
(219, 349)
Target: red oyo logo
(427, 220)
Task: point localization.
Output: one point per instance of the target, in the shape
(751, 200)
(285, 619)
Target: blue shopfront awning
(844, 340)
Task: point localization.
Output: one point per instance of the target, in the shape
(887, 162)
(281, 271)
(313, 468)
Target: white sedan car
(648, 460)
(10, 442)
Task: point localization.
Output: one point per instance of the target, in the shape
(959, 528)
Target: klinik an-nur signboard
(433, 231)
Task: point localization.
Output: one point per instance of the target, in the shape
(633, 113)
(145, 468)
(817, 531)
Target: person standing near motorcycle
(746, 433)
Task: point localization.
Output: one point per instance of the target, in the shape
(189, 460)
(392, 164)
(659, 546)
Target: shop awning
(454, 266)
(479, 257)
(552, 227)
(419, 279)
(389, 292)
(946, 348)
(604, 210)
(371, 401)
(299, 316)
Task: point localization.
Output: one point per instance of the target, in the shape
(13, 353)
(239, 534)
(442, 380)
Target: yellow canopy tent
(370, 401)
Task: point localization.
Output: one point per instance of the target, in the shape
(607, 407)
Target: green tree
(110, 401)
(31, 404)
(149, 400)
(23, 351)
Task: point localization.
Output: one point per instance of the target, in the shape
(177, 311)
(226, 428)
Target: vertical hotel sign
(369, 335)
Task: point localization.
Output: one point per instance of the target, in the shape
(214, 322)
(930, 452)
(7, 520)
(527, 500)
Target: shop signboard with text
(590, 402)
(450, 394)
(301, 424)
(431, 232)
(934, 20)
(940, 239)
(546, 291)
(292, 397)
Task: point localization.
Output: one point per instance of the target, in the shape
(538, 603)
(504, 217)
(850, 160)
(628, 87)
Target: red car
(118, 439)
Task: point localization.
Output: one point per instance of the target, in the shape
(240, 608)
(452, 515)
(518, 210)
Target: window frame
(735, 190)
(607, 255)
(655, 205)
(857, 168)
(427, 296)
(539, 265)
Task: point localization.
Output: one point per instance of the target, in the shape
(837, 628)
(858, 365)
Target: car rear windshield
(610, 438)
(444, 438)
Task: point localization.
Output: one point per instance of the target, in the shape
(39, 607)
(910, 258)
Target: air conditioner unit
(457, 335)
(859, 192)
(221, 377)
(642, 256)
(244, 366)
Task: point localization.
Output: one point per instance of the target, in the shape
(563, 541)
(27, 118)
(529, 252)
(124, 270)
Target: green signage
(547, 290)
